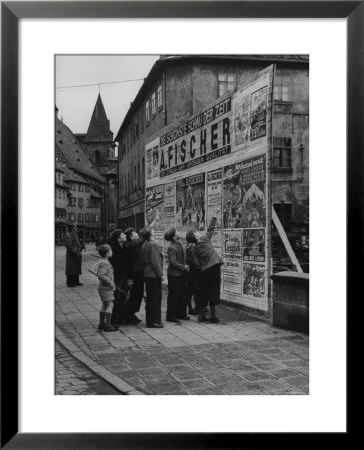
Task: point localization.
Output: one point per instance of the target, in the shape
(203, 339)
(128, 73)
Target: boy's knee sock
(108, 319)
(102, 320)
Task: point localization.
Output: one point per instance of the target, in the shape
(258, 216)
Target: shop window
(147, 112)
(159, 98)
(282, 153)
(284, 213)
(154, 110)
(227, 82)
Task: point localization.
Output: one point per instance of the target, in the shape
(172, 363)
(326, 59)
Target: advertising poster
(242, 118)
(258, 119)
(152, 160)
(214, 203)
(232, 250)
(231, 282)
(190, 203)
(253, 280)
(201, 139)
(244, 200)
(154, 207)
(254, 245)
(169, 205)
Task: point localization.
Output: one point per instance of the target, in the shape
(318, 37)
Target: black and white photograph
(182, 233)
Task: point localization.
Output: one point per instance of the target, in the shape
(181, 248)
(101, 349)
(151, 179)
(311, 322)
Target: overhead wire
(98, 84)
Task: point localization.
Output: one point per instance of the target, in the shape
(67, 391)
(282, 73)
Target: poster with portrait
(190, 203)
(214, 203)
(244, 196)
(154, 197)
(241, 105)
(258, 114)
(253, 280)
(254, 245)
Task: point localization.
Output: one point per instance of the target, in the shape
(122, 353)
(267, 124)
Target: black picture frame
(11, 12)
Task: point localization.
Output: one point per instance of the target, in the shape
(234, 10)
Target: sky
(76, 104)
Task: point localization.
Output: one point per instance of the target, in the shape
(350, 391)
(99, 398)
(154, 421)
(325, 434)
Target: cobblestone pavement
(73, 378)
(240, 355)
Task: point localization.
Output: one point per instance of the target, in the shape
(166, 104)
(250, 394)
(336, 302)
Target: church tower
(98, 140)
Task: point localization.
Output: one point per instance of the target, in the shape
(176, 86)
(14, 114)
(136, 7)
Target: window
(284, 212)
(141, 125)
(80, 217)
(80, 202)
(137, 130)
(71, 216)
(159, 98)
(135, 179)
(72, 201)
(55, 192)
(282, 153)
(73, 187)
(153, 104)
(80, 187)
(97, 156)
(96, 217)
(227, 82)
(138, 174)
(87, 188)
(281, 92)
(143, 169)
(147, 112)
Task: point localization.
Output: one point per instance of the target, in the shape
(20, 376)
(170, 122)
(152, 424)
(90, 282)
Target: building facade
(61, 201)
(179, 87)
(86, 186)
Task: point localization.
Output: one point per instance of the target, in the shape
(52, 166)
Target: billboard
(215, 165)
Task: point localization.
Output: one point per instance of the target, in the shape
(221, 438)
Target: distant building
(101, 149)
(87, 187)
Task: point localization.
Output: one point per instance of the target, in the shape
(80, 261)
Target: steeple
(99, 128)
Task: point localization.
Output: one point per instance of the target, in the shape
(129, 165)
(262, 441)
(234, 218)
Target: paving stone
(257, 376)
(207, 391)
(162, 388)
(284, 373)
(191, 384)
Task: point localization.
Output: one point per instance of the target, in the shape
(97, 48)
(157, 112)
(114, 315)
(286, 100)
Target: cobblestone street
(73, 378)
(240, 355)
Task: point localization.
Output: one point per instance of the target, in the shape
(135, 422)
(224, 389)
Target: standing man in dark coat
(73, 256)
(177, 270)
(135, 270)
(153, 273)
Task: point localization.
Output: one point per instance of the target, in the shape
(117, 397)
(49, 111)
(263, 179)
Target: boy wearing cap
(177, 299)
(210, 261)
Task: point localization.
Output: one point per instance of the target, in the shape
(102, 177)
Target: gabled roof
(170, 60)
(73, 152)
(99, 127)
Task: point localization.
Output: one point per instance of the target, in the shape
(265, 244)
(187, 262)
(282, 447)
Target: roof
(72, 176)
(166, 60)
(99, 127)
(95, 194)
(73, 151)
(113, 171)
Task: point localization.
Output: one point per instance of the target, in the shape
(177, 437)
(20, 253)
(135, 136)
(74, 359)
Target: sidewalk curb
(97, 369)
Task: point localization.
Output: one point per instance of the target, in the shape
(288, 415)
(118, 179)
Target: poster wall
(215, 165)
